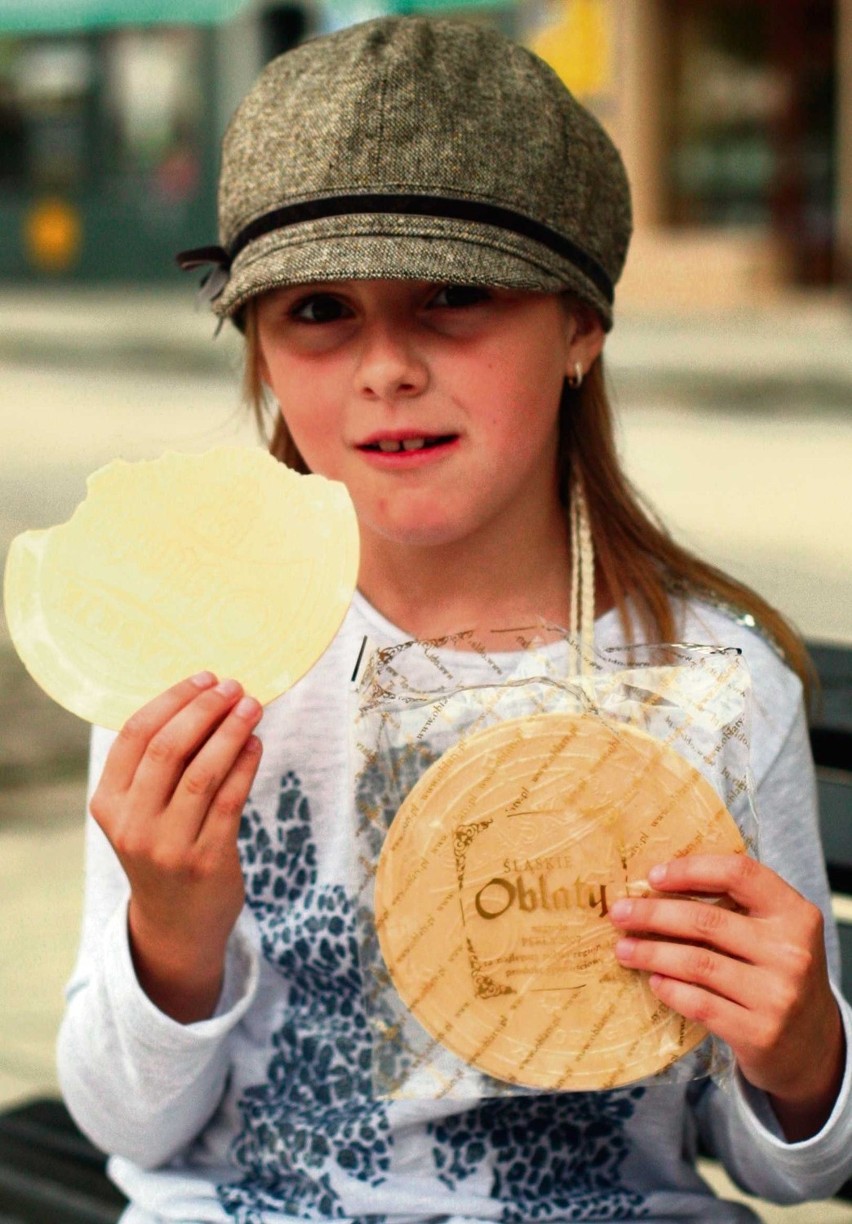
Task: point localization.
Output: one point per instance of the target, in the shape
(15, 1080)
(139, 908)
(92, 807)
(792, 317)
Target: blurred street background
(730, 361)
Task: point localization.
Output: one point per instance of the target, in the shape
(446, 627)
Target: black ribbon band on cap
(403, 205)
(201, 256)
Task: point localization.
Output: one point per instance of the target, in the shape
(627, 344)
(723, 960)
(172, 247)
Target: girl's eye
(318, 308)
(459, 296)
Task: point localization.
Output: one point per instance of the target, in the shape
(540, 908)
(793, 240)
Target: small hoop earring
(575, 380)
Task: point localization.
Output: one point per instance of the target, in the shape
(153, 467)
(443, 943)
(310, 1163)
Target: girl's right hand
(169, 800)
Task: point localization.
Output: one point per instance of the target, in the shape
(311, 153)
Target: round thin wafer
(495, 881)
(227, 561)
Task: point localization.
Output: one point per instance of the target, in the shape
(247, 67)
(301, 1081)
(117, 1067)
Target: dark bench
(831, 740)
(51, 1174)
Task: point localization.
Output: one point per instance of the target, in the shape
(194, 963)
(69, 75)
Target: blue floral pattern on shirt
(554, 1157)
(313, 1109)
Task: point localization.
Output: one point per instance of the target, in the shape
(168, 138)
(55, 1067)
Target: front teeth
(389, 446)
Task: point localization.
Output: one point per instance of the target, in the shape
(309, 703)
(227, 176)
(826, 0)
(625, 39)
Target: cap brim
(390, 247)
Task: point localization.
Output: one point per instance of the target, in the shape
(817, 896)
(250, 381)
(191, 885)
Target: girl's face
(436, 405)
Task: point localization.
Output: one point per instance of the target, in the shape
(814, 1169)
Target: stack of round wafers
(494, 885)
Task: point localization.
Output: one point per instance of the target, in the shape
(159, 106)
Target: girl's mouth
(397, 446)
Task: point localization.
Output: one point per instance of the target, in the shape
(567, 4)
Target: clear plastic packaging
(506, 792)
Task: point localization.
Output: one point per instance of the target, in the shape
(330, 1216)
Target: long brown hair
(635, 555)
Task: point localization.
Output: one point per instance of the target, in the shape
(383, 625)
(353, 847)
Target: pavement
(783, 371)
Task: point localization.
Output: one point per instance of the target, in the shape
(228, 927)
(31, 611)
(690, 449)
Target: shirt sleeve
(138, 1083)
(737, 1123)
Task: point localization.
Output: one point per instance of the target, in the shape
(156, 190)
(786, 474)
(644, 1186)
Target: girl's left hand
(754, 976)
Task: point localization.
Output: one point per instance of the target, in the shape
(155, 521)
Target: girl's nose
(390, 366)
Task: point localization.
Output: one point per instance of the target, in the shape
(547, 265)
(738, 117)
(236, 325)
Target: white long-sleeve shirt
(263, 1114)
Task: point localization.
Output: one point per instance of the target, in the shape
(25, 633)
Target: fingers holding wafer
(754, 975)
(215, 784)
(135, 736)
(170, 804)
(222, 822)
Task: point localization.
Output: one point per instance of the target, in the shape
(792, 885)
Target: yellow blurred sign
(578, 44)
(53, 234)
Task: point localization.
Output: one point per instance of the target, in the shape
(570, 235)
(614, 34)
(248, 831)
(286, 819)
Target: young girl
(422, 231)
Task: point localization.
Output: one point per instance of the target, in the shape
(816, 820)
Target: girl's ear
(585, 334)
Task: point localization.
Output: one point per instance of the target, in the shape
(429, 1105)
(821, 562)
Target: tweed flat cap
(414, 148)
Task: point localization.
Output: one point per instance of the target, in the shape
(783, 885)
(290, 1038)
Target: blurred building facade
(734, 117)
(735, 120)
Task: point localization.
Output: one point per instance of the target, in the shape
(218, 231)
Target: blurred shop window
(153, 111)
(752, 122)
(728, 98)
(120, 111)
(46, 91)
